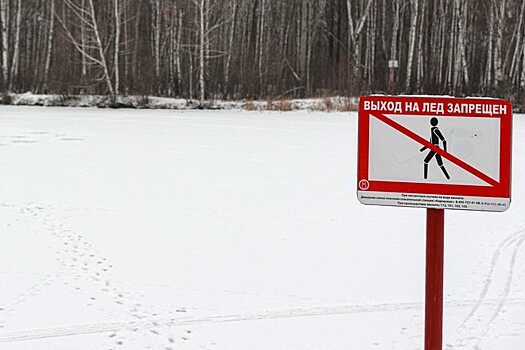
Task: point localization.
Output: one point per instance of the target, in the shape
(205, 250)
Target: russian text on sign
(477, 108)
(384, 106)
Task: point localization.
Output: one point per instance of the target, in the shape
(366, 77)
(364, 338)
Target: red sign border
(501, 190)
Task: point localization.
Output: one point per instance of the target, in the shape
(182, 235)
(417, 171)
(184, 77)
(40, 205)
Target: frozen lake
(230, 230)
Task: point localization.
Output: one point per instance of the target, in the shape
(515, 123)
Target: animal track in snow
(89, 274)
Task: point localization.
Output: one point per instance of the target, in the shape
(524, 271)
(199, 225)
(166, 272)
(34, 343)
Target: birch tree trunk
(260, 42)
(231, 39)
(395, 29)
(126, 43)
(420, 68)
(350, 42)
(414, 6)
(490, 52)
(83, 41)
(117, 45)
(518, 50)
(462, 38)
(136, 33)
(456, 46)
(439, 45)
(16, 49)
(156, 20)
(522, 78)
(4, 18)
(369, 42)
(202, 48)
(49, 50)
(498, 52)
(354, 32)
(178, 53)
(100, 48)
(451, 54)
(304, 24)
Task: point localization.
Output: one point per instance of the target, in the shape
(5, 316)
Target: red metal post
(434, 279)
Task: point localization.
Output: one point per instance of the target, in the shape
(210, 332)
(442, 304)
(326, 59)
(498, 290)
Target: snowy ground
(141, 229)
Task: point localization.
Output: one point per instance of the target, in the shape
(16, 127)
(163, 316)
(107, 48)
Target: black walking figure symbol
(435, 137)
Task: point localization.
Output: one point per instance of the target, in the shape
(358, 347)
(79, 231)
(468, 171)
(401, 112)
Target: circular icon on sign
(364, 185)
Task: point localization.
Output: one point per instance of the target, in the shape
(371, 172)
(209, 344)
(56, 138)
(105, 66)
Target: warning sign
(435, 152)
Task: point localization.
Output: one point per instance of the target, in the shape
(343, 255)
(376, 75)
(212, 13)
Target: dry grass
(269, 104)
(328, 104)
(284, 105)
(349, 106)
(249, 105)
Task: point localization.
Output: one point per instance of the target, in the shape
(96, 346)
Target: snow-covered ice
(156, 229)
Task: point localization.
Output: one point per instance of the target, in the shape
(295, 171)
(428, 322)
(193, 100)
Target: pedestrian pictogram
(435, 152)
(435, 137)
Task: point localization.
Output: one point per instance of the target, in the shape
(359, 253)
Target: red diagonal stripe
(436, 149)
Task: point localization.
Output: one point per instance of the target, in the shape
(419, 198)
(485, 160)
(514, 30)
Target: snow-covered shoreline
(316, 104)
(329, 104)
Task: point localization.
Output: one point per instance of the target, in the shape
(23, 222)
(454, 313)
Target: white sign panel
(435, 152)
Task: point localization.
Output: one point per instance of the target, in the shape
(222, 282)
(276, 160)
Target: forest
(236, 49)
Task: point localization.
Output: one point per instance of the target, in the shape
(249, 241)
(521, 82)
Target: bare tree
(90, 47)
(49, 49)
(4, 18)
(262, 48)
(116, 65)
(414, 11)
(16, 49)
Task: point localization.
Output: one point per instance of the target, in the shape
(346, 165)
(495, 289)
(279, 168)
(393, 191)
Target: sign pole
(434, 279)
(393, 81)
(393, 64)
